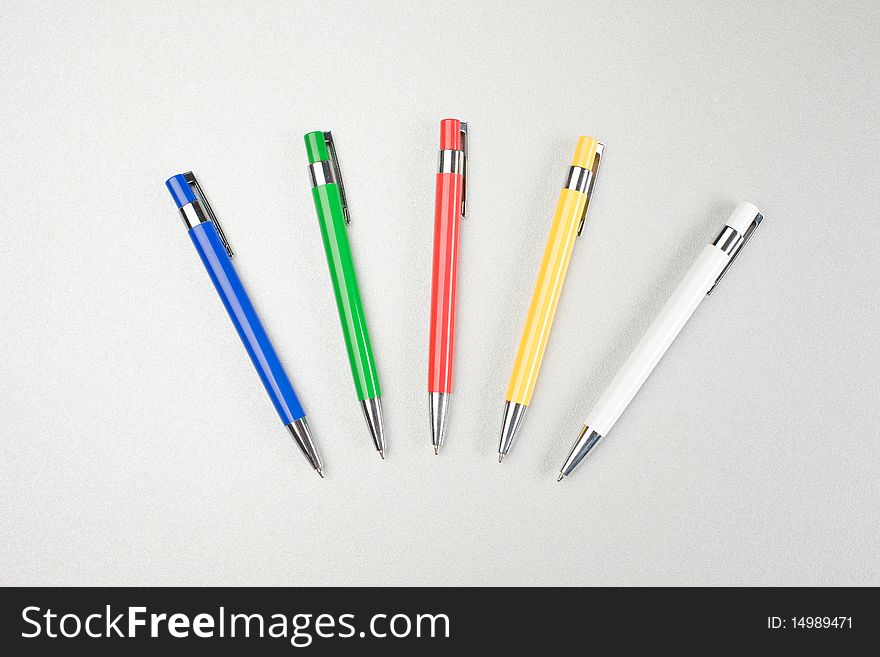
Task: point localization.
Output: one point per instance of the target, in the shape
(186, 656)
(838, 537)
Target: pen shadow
(651, 302)
(510, 303)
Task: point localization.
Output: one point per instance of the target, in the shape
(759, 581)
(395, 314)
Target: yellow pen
(568, 223)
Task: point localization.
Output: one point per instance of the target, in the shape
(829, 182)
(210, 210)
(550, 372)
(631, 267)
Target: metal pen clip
(594, 171)
(337, 172)
(732, 243)
(464, 148)
(200, 195)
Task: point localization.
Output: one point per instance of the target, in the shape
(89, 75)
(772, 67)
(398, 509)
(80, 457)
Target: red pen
(449, 208)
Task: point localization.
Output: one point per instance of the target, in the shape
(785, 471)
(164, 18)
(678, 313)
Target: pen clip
(200, 195)
(331, 147)
(594, 171)
(464, 167)
(736, 246)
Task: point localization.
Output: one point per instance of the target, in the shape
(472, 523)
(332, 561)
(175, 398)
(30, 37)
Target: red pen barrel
(447, 222)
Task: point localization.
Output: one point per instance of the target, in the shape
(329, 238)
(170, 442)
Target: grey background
(137, 444)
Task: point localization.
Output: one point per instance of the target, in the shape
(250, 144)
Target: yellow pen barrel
(545, 297)
(567, 222)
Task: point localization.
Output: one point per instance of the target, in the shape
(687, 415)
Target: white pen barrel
(667, 325)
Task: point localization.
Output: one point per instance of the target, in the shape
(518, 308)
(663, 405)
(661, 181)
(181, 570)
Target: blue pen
(210, 241)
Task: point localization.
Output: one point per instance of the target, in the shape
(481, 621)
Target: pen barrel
(247, 323)
(444, 281)
(331, 218)
(657, 339)
(545, 298)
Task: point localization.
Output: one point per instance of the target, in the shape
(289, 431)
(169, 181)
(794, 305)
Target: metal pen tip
(382, 454)
(373, 414)
(439, 403)
(320, 472)
(560, 477)
(436, 450)
(513, 416)
(500, 457)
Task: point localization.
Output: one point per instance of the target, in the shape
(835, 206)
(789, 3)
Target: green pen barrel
(334, 232)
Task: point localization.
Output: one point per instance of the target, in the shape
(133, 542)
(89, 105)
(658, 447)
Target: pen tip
(436, 450)
(560, 477)
(382, 454)
(320, 472)
(500, 457)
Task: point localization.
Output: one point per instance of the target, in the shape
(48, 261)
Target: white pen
(699, 282)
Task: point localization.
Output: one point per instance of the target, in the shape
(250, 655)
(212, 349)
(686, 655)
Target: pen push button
(324, 165)
(736, 234)
(194, 207)
(583, 172)
(454, 153)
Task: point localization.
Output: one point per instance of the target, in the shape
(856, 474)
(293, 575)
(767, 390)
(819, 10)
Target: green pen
(333, 218)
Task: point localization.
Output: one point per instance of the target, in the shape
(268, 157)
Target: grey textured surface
(137, 444)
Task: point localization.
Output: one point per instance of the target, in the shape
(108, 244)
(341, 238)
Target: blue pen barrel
(247, 323)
